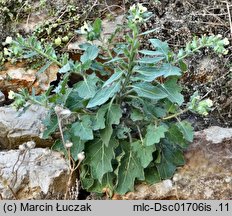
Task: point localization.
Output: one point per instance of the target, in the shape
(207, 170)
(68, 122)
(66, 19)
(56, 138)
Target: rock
(17, 76)
(17, 127)
(2, 98)
(207, 173)
(32, 174)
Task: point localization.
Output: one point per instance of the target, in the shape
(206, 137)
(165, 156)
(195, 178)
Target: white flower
(132, 8)
(81, 156)
(226, 41)
(137, 19)
(209, 102)
(68, 144)
(85, 28)
(141, 8)
(8, 40)
(11, 94)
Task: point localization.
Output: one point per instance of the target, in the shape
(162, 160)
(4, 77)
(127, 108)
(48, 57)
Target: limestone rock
(17, 127)
(207, 173)
(32, 174)
(2, 98)
(17, 76)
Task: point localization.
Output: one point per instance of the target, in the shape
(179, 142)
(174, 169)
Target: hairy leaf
(172, 89)
(83, 128)
(144, 153)
(154, 134)
(87, 88)
(90, 53)
(186, 129)
(99, 157)
(104, 94)
(128, 170)
(113, 116)
(147, 90)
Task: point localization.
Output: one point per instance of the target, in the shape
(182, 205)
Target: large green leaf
(87, 88)
(149, 60)
(113, 78)
(154, 134)
(78, 146)
(151, 73)
(129, 168)
(186, 129)
(152, 175)
(113, 116)
(51, 124)
(147, 90)
(171, 157)
(160, 46)
(99, 118)
(107, 183)
(175, 135)
(144, 153)
(90, 53)
(99, 157)
(104, 94)
(172, 89)
(83, 128)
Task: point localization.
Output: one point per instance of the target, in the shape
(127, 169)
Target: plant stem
(175, 115)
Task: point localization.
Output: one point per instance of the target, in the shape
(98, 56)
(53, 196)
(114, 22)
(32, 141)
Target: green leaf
(150, 52)
(152, 175)
(113, 78)
(183, 66)
(78, 146)
(51, 124)
(147, 90)
(104, 94)
(166, 169)
(97, 26)
(151, 73)
(136, 115)
(186, 129)
(88, 87)
(90, 53)
(129, 168)
(106, 183)
(147, 60)
(99, 119)
(160, 46)
(148, 32)
(154, 134)
(144, 153)
(45, 67)
(99, 157)
(171, 157)
(113, 116)
(83, 128)
(172, 89)
(175, 135)
(66, 68)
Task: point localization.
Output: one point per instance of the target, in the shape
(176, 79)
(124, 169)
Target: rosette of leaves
(129, 125)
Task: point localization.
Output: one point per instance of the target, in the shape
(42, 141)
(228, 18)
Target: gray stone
(17, 127)
(32, 174)
(207, 173)
(2, 98)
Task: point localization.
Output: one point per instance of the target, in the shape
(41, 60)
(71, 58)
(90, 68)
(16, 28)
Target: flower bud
(68, 144)
(22, 147)
(81, 156)
(30, 144)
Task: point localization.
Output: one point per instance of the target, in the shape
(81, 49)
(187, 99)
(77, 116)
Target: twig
(228, 9)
